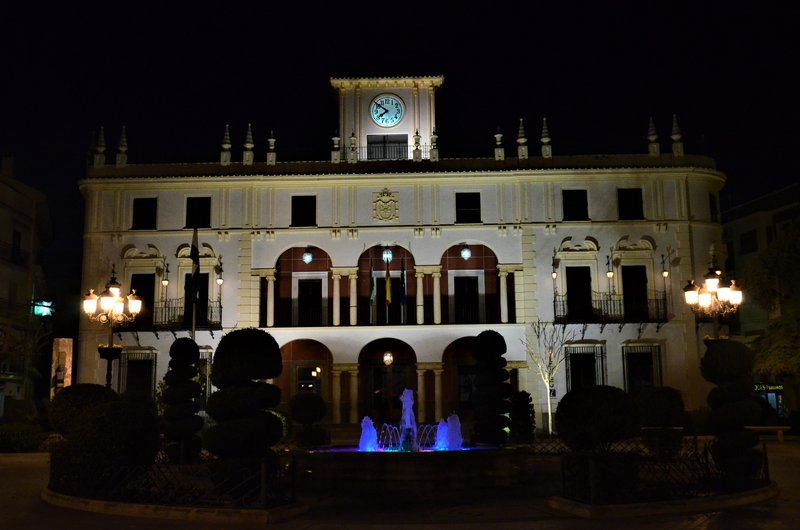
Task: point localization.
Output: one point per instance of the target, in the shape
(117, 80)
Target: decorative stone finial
(272, 156)
(271, 140)
(677, 144)
(653, 147)
(100, 149)
(123, 142)
(676, 131)
(336, 154)
(352, 156)
(226, 138)
(122, 149)
(248, 139)
(547, 149)
(434, 154)
(521, 140)
(499, 152)
(498, 137)
(225, 154)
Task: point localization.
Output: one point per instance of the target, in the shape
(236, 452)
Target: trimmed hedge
(71, 404)
(245, 355)
(307, 408)
(594, 417)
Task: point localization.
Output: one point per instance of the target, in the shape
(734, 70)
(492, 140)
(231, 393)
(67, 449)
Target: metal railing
(385, 152)
(611, 308)
(171, 314)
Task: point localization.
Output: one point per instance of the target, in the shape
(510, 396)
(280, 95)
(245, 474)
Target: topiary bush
(663, 418)
(492, 391)
(114, 445)
(729, 365)
(70, 404)
(523, 421)
(594, 417)
(244, 426)
(307, 409)
(180, 400)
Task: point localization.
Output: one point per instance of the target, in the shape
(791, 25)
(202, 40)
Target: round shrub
(243, 437)
(181, 392)
(726, 360)
(307, 408)
(181, 410)
(242, 401)
(245, 355)
(731, 391)
(70, 404)
(594, 417)
(184, 351)
(661, 406)
(178, 374)
(120, 433)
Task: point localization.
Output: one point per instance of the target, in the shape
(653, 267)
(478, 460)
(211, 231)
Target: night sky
(174, 79)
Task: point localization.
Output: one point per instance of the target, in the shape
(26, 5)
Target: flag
(371, 285)
(403, 281)
(388, 285)
(195, 279)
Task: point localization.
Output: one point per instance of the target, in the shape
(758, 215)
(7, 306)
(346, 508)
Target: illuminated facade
(300, 249)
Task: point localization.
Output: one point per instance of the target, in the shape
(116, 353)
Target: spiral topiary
(244, 426)
(492, 391)
(523, 421)
(729, 364)
(180, 398)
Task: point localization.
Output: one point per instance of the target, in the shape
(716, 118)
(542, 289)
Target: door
(201, 315)
(634, 293)
(144, 285)
(309, 302)
(467, 302)
(579, 294)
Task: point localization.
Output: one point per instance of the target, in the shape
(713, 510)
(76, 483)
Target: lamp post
(111, 311)
(716, 297)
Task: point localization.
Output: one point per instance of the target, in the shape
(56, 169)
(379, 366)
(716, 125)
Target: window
(387, 146)
(629, 203)
(308, 380)
(198, 212)
(576, 205)
(748, 242)
(585, 364)
(468, 207)
(144, 214)
(304, 210)
(138, 373)
(642, 366)
(713, 207)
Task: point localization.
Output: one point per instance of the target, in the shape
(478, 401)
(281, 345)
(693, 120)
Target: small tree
(547, 354)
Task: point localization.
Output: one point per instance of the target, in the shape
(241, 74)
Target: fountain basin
(428, 474)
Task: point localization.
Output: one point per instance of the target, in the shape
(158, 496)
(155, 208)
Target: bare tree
(547, 354)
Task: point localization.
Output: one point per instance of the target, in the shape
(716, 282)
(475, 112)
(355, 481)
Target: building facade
(389, 246)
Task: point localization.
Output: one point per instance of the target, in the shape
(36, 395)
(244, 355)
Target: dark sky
(597, 72)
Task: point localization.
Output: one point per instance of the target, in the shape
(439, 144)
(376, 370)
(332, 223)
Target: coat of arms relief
(385, 206)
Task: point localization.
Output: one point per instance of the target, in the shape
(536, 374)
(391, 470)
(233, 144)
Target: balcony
(169, 315)
(611, 308)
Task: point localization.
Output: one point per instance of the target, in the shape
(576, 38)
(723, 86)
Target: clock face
(387, 110)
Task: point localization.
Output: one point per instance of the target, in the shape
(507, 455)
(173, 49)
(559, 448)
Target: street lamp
(109, 309)
(717, 297)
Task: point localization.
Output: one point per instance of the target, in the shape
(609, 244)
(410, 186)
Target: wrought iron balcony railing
(611, 308)
(170, 314)
(385, 152)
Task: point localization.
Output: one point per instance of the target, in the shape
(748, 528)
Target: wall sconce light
(387, 255)
(609, 271)
(165, 279)
(307, 257)
(466, 253)
(218, 270)
(388, 358)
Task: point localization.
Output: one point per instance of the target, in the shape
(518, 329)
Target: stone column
(337, 395)
(503, 297)
(353, 298)
(420, 298)
(421, 412)
(437, 297)
(270, 298)
(354, 396)
(437, 393)
(336, 278)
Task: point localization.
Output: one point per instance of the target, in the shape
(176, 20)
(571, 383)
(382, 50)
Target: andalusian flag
(388, 285)
(371, 285)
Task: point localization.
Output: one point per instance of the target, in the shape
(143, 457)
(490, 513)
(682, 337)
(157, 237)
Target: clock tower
(384, 114)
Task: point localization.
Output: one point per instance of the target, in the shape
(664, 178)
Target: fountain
(411, 460)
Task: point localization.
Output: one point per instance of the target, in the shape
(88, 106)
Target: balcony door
(201, 316)
(634, 291)
(579, 294)
(144, 285)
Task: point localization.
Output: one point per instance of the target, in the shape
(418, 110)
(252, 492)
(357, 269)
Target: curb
(674, 507)
(184, 513)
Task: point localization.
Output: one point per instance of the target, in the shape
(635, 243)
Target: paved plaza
(23, 477)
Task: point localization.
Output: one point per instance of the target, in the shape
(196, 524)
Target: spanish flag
(388, 286)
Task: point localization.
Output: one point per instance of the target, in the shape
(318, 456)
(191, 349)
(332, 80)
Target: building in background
(24, 228)
(389, 246)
